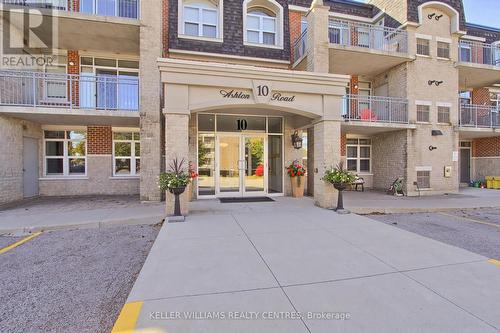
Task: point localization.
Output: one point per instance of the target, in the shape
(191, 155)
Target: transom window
(359, 155)
(201, 20)
(126, 154)
(261, 27)
(65, 153)
(423, 113)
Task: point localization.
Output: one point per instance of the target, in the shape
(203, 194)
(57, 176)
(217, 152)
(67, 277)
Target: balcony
(479, 116)
(365, 49)
(106, 26)
(479, 64)
(116, 8)
(38, 95)
(379, 113)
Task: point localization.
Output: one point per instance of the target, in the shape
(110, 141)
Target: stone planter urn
(298, 183)
(340, 200)
(177, 191)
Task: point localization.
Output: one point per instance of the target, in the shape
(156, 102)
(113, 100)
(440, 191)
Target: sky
(484, 12)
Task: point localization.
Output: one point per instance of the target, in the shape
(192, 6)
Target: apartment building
(395, 89)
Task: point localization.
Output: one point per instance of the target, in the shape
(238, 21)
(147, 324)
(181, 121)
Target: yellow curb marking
(128, 318)
(472, 220)
(16, 244)
(494, 262)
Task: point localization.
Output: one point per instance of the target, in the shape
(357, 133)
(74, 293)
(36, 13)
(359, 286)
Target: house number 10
(262, 90)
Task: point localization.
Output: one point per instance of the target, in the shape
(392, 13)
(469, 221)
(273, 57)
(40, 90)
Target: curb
(403, 210)
(85, 225)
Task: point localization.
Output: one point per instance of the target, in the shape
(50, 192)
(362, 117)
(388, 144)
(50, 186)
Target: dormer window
(261, 27)
(200, 19)
(263, 23)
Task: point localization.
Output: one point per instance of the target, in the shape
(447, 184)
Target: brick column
(74, 84)
(354, 90)
(176, 147)
(295, 19)
(326, 154)
(317, 37)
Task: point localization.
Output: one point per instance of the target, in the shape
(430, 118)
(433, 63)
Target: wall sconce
(356, 86)
(72, 63)
(438, 17)
(436, 132)
(296, 140)
(430, 16)
(431, 148)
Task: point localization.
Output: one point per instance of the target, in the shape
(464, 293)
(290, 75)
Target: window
(65, 153)
(303, 24)
(465, 51)
(465, 98)
(338, 32)
(424, 179)
(359, 155)
(201, 20)
(495, 100)
(261, 27)
(126, 154)
(423, 113)
(263, 23)
(444, 114)
(423, 47)
(443, 50)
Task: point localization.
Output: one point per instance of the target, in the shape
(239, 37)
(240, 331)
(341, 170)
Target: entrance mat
(249, 199)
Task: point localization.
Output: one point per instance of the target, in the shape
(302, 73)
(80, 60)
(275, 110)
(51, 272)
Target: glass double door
(241, 166)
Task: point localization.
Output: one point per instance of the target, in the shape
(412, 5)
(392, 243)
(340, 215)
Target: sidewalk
(78, 212)
(379, 202)
(289, 257)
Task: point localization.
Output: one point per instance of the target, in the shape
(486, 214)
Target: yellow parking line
(16, 244)
(494, 262)
(128, 318)
(472, 220)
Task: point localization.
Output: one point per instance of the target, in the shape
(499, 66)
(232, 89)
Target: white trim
(106, 55)
(423, 168)
(428, 103)
(483, 157)
(454, 16)
(444, 40)
(125, 129)
(65, 156)
(132, 157)
(205, 39)
(279, 38)
(424, 56)
(474, 38)
(218, 55)
(423, 36)
(125, 177)
(63, 178)
(445, 104)
(296, 8)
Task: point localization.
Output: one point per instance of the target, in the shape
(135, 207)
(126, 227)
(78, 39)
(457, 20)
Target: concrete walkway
(378, 202)
(288, 266)
(78, 212)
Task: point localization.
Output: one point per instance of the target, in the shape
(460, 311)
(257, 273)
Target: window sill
(425, 189)
(423, 122)
(423, 55)
(65, 178)
(266, 46)
(201, 38)
(124, 177)
(443, 59)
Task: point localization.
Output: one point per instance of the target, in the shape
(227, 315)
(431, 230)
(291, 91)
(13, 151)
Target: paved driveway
(289, 267)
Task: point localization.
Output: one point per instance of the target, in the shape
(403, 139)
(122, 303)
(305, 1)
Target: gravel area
(71, 281)
(475, 237)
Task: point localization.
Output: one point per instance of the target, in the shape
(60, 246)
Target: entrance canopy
(192, 86)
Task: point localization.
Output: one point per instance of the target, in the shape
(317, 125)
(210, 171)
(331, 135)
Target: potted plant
(339, 178)
(296, 173)
(175, 181)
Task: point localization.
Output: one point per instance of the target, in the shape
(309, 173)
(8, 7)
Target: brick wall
(486, 147)
(74, 68)
(481, 96)
(354, 90)
(343, 142)
(389, 158)
(295, 19)
(99, 140)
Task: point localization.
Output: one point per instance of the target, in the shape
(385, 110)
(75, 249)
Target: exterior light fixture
(431, 148)
(296, 140)
(436, 132)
